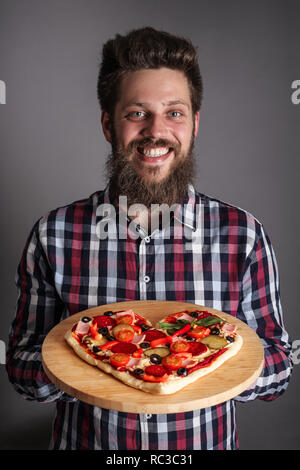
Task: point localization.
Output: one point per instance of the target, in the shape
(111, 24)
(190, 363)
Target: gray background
(52, 147)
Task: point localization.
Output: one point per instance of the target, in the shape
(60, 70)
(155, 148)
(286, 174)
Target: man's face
(153, 125)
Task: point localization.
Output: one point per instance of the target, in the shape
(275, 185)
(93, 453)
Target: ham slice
(125, 312)
(138, 338)
(82, 328)
(189, 363)
(227, 328)
(133, 362)
(175, 339)
(186, 317)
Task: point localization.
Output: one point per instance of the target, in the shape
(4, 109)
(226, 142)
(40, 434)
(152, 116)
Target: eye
(175, 114)
(136, 115)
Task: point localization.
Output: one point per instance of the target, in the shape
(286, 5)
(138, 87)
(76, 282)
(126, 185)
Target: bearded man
(150, 92)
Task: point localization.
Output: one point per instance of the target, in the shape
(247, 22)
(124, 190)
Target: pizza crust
(163, 388)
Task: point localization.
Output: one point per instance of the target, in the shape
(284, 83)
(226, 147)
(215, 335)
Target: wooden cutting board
(89, 384)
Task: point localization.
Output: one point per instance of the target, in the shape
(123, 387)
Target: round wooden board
(89, 384)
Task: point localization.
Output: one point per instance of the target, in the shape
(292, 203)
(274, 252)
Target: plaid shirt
(211, 254)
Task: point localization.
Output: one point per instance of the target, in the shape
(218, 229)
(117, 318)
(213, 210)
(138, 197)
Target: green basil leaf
(170, 325)
(208, 321)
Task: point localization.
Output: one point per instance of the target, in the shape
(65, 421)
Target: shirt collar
(188, 210)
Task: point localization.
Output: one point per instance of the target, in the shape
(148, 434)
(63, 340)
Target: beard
(125, 181)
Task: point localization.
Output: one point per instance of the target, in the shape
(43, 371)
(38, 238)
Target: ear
(197, 117)
(106, 127)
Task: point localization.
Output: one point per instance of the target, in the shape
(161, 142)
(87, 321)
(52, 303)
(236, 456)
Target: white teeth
(155, 152)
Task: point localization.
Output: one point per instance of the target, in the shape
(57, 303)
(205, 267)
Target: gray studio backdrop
(53, 151)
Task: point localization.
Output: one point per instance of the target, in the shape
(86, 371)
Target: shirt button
(147, 239)
(148, 416)
(146, 279)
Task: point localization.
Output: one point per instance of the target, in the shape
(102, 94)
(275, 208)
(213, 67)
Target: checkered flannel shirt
(211, 254)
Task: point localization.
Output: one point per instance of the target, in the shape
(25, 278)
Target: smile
(154, 154)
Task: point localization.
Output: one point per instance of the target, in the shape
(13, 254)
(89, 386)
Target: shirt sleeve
(38, 309)
(260, 308)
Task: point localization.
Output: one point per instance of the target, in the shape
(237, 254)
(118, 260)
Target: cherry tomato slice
(125, 319)
(119, 359)
(179, 346)
(199, 332)
(172, 362)
(125, 336)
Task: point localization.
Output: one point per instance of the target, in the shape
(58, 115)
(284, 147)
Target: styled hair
(146, 48)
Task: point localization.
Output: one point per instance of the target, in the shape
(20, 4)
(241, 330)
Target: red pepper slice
(94, 332)
(170, 319)
(138, 353)
(137, 329)
(204, 314)
(207, 361)
(160, 341)
(139, 318)
(152, 378)
(169, 339)
(108, 345)
(183, 330)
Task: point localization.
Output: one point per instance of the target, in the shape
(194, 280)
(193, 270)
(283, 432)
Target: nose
(155, 127)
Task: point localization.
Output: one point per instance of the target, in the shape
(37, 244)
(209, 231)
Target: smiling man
(152, 131)
(150, 92)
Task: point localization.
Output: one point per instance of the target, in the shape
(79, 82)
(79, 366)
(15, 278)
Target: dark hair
(146, 48)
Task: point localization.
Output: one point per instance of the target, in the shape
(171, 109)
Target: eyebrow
(174, 102)
(168, 103)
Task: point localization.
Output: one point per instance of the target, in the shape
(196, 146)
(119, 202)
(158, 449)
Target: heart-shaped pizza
(162, 359)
